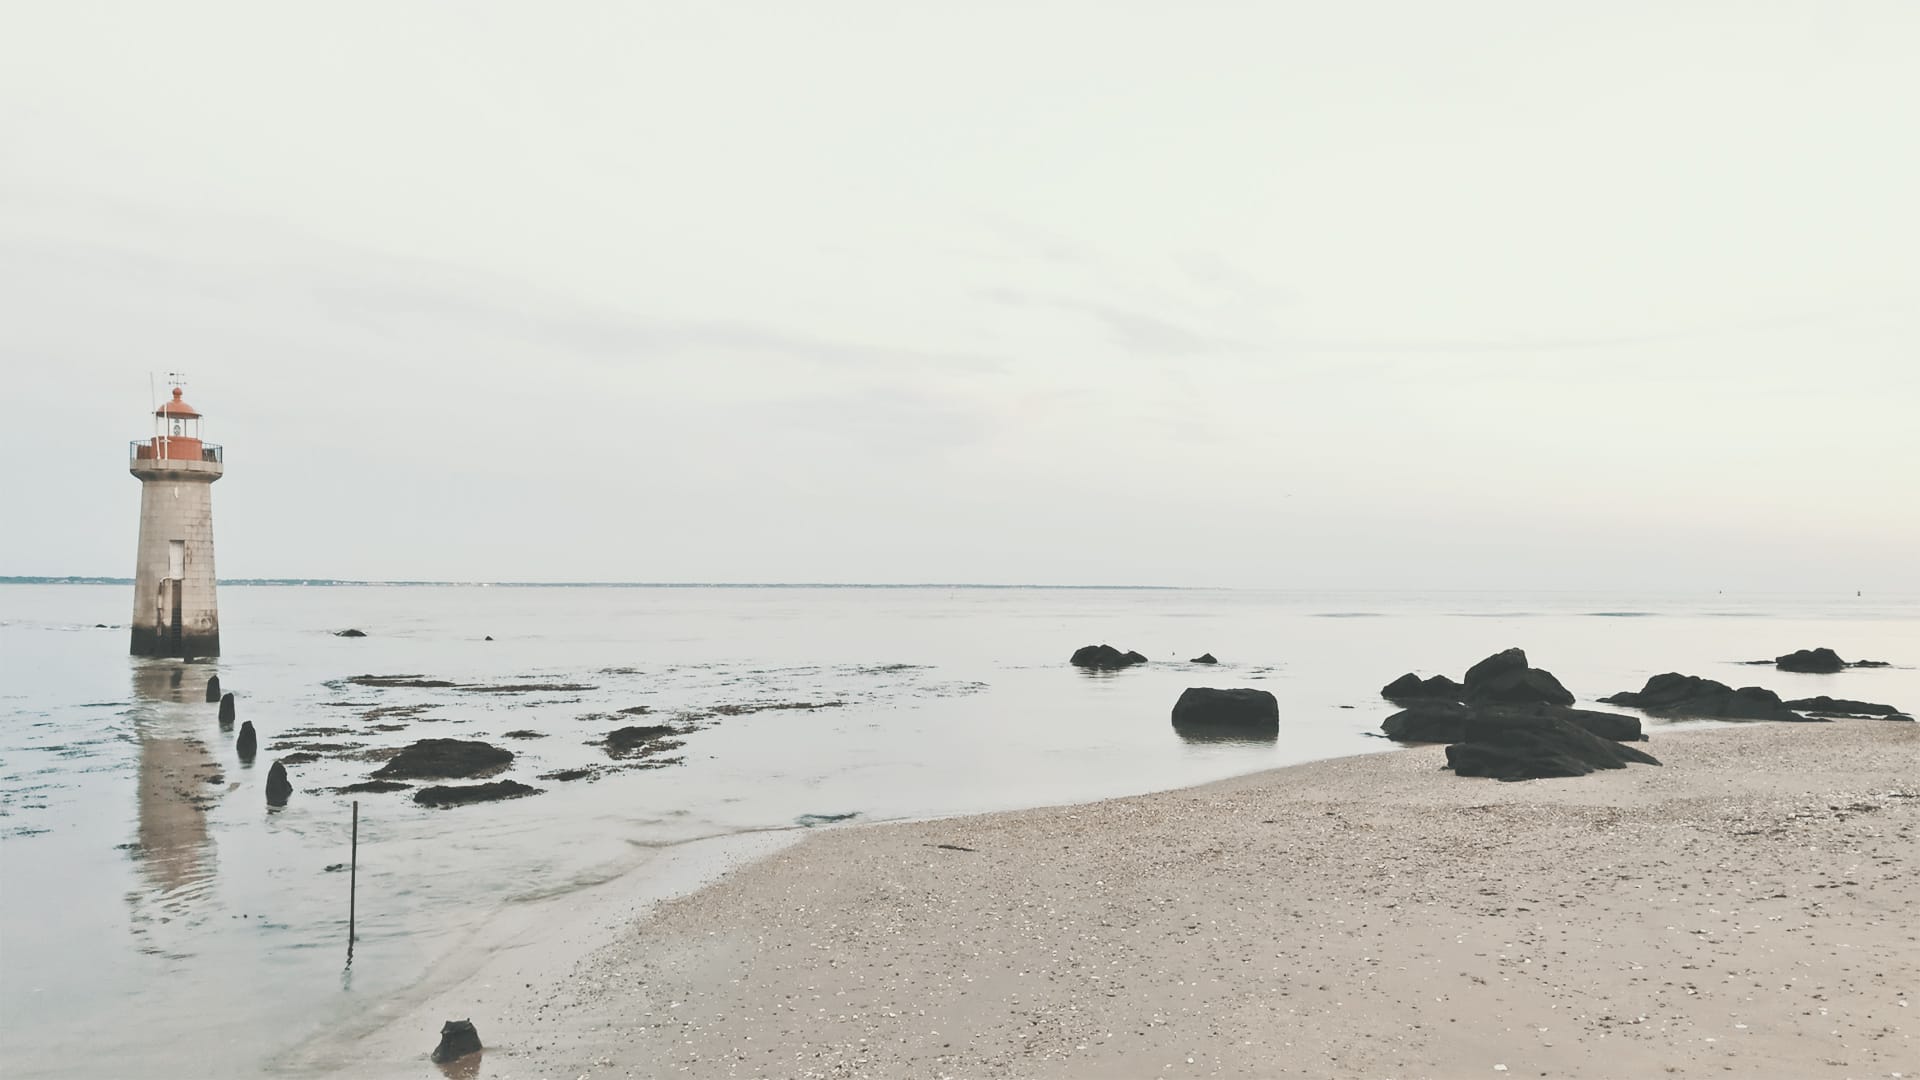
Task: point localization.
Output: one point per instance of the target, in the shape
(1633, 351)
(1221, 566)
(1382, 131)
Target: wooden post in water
(353, 879)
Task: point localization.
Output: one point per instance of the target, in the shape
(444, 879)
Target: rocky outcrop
(462, 794)
(279, 788)
(1242, 713)
(1204, 658)
(248, 744)
(1846, 707)
(1673, 694)
(1817, 661)
(1508, 745)
(457, 1040)
(213, 689)
(445, 759)
(1411, 687)
(1105, 658)
(1448, 722)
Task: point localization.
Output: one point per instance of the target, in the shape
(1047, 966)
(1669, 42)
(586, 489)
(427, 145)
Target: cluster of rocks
(1105, 658)
(1509, 720)
(1673, 694)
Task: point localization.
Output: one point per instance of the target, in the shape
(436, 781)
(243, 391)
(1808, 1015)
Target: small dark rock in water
(1817, 661)
(457, 1040)
(1241, 711)
(1844, 707)
(247, 744)
(1447, 721)
(349, 632)
(563, 775)
(1203, 658)
(1673, 694)
(461, 794)
(1105, 657)
(489, 637)
(226, 710)
(213, 689)
(523, 733)
(1518, 746)
(442, 759)
(278, 786)
(1411, 687)
(634, 738)
(808, 821)
(372, 786)
(1870, 663)
(334, 868)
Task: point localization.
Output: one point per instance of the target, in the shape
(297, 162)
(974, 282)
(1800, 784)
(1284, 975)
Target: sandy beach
(1745, 910)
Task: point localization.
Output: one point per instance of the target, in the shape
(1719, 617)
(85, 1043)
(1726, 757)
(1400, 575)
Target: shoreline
(1361, 916)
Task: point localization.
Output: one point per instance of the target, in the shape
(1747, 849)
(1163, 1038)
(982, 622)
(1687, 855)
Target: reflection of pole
(353, 879)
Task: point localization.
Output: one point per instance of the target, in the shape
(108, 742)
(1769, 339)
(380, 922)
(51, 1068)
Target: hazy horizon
(1370, 296)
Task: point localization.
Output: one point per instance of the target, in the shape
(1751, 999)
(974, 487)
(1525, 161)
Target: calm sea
(157, 918)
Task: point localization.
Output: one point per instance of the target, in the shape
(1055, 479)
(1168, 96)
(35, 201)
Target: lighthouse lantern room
(174, 610)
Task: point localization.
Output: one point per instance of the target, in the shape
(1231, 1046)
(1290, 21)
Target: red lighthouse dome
(176, 435)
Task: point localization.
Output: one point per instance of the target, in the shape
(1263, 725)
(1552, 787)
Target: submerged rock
(445, 759)
(640, 739)
(461, 794)
(1816, 661)
(1204, 658)
(226, 710)
(1105, 658)
(457, 1040)
(372, 786)
(1241, 712)
(1447, 722)
(350, 632)
(1673, 694)
(248, 743)
(279, 788)
(1518, 746)
(213, 689)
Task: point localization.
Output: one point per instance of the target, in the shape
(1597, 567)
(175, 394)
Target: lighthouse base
(150, 642)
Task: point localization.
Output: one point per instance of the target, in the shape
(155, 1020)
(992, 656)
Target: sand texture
(1751, 909)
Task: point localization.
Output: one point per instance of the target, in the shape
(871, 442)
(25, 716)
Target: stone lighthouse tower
(173, 606)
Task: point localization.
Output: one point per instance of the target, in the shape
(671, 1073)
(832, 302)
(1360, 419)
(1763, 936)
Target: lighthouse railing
(150, 450)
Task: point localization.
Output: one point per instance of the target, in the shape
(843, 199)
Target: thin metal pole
(353, 880)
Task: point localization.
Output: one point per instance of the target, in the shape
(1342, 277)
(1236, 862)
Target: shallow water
(154, 913)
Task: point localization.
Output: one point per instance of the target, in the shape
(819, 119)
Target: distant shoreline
(330, 582)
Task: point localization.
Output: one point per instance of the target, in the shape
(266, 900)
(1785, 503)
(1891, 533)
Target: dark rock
(1411, 687)
(247, 744)
(1105, 658)
(372, 786)
(279, 788)
(213, 689)
(1870, 663)
(461, 794)
(1447, 722)
(1499, 663)
(1203, 658)
(523, 733)
(1242, 712)
(349, 632)
(1526, 686)
(808, 821)
(1673, 694)
(457, 1040)
(226, 710)
(1843, 706)
(445, 759)
(489, 637)
(1817, 661)
(640, 740)
(1520, 746)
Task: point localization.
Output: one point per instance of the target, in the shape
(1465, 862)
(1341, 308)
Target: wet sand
(1746, 910)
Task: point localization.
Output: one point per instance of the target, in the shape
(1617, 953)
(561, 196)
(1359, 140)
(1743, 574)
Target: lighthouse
(173, 605)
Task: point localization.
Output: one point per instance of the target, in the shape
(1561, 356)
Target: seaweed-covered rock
(445, 759)
(1674, 694)
(1105, 658)
(640, 739)
(1509, 745)
(461, 794)
(1817, 661)
(1239, 712)
(1447, 722)
(1411, 687)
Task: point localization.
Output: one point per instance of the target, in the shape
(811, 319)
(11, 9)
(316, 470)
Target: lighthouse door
(176, 559)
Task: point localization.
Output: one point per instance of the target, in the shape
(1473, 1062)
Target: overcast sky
(1464, 295)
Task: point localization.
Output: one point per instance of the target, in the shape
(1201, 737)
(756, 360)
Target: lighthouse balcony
(176, 458)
